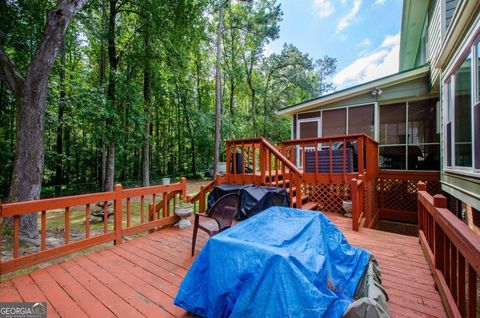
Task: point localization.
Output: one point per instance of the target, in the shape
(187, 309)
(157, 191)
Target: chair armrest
(198, 215)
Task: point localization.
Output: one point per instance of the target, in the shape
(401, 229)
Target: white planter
(184, 213)
(165, 181)
(347, 207)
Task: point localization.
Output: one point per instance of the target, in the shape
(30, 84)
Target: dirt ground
(193, 185)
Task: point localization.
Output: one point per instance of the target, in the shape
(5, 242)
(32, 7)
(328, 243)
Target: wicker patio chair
(218, 218)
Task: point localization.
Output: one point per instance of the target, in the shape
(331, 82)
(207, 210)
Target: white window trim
(470, 47)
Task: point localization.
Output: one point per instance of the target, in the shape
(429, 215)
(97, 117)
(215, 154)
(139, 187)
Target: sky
(363, 35)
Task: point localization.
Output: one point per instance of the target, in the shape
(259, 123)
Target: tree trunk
(30, 96)
(103, 72)
(110, 167)
(113, 61)
(147, 96)
(218, 91)
(61, 109)
(254, 117)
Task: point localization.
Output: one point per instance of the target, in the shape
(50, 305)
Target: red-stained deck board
(30, 292)
(103, 293)
(64, 305)
(8, 292)
(131, 295)
(141, 276)
(89, 304)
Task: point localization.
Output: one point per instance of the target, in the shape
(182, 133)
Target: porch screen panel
(423, 136)
(422, 122)
(463, 114)
(392, 124)
(360, 120)
(334, 122)
(309, 129)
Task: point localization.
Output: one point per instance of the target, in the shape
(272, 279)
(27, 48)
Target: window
(409, 137)
(476, 111)
(462, 113)
(448, 120)
(334, 122)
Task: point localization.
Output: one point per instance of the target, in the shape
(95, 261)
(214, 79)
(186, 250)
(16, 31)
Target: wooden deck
(141, 276)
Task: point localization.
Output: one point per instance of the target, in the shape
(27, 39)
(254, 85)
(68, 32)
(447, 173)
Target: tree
(218, 89)
(326, 68)
(262, 23)
(30, 94)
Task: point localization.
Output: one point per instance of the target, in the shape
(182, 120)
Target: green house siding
(462, 186)
(450, 6)
(460, 182)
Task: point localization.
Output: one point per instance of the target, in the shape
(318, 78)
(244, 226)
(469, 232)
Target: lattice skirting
(330, 196)
(371, 202)
(401, 195)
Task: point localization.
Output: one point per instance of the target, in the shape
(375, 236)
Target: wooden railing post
(218, 179)
(201, 204)
(355, 204)
(298, 194)
(117, 215)
(439, 201)
(361, 155)
(263, 163)
(228, 162)
(151, 214)
(183, 192)
(421, 186)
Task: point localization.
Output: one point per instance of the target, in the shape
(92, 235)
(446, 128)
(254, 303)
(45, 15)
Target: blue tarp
(282, 262)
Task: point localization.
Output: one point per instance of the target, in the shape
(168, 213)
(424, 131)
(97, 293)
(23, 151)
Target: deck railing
(199, 200)
(453, 252)
(328, 172)
(321, 162)
(358, 201)
(123, 224)
(262, 163)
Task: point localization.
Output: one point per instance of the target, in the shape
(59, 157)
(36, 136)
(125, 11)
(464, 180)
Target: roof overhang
(364, 88)
(413, 19)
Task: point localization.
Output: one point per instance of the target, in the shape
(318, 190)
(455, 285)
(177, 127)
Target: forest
(94, 92)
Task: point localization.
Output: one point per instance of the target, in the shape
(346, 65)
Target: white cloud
(380, 2)
(323, 8)
(363, 45)
(391, 40)
(376, 64)
(347, 19)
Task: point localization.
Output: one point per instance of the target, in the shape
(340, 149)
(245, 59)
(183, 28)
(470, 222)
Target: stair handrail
(282, 157)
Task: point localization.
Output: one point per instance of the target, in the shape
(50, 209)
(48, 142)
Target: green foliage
(180, 58)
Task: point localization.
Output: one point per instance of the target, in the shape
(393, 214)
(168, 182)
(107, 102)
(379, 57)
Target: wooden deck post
(439, 201)
(218, 179)
(151, 214)
(263, 164)
(355, 204)
(228, 162)
(298, 194)
(201, 204)
(361, 155)
(117, 215)
(421, 186)
(183, 192)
